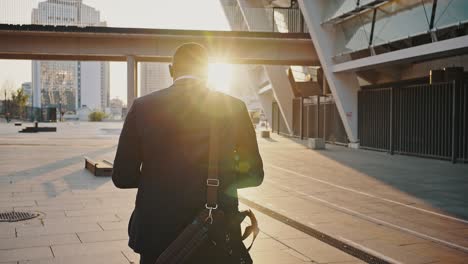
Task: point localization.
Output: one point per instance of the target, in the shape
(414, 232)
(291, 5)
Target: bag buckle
(212, 182)
(209, 218)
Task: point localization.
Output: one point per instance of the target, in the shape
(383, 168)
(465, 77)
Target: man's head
(190, 59)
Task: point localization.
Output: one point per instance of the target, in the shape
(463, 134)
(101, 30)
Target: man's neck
(187, 76)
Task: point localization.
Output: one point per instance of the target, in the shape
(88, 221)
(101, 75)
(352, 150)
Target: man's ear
(171, 70)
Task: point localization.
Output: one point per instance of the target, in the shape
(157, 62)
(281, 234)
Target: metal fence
(289, 20)
(278, 124)
(422, 120)
(319, 118)
(29, 113)
(266, 19)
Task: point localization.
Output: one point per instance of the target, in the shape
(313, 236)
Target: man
(164, 148)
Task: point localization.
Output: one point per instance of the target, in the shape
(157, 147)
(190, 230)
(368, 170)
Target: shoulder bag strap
(212, 181)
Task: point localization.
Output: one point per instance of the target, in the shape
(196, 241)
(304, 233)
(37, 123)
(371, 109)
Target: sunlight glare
(220, 76)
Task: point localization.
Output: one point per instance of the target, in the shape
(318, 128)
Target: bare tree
(8, 87)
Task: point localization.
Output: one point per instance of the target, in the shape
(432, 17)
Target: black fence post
(454, 122)
(317, 114)
(278, 119)
(301, 117)
(324, 130)
(391, 121)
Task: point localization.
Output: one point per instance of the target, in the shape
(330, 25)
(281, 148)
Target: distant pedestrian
(164, 151)
(7, 117)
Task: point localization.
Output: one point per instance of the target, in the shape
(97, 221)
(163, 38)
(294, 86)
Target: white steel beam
(344, 86)
(132, 80)
(435, 50)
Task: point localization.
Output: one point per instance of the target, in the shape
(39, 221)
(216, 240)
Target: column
(344, 86)
(132, 81)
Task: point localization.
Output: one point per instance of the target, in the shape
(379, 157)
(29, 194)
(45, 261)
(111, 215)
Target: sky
(169, 14)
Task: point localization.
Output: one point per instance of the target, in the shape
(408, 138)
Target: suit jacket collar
(192, 82)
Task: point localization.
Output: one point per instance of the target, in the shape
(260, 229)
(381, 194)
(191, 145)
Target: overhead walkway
(34, 42)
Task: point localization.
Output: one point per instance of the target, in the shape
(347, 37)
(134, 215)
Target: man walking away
(164, 148)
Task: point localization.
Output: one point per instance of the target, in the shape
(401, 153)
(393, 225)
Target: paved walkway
(403, 209)
(84, 218)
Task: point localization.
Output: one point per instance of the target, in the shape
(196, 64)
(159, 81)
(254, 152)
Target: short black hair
(190, 55)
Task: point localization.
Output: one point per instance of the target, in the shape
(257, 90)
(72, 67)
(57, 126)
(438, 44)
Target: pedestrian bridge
(37, 42)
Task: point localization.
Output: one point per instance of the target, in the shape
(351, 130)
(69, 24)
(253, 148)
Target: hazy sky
(173, 14)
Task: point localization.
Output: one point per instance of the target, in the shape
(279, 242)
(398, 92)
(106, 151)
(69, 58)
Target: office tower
(69, 84)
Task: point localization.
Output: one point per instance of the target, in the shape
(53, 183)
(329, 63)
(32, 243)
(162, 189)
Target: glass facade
(265, 19)
(394, 20)
(60, 79)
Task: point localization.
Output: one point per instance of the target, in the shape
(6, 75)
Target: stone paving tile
(114, 225)
(267, 244)
(81, 219)
(50, 208)
(106, 235)
(89, 248)
(318, 251)
(281, 231)
(25, 242)
(65, 201)
(445, 231)
(52, 214)
(57, 229)
(398, 253)
(95, 211)
(15, 204)
(277, 256)
(443, 256)
(7, 231)
(131, 255)
(109, 258)
(25, 254)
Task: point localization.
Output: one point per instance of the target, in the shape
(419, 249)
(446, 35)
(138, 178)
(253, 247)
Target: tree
(97, 116)
(7, 87)
(19, 99)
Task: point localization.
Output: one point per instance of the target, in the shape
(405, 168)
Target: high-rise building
(69, 84)
(27, 90)
(154, 76)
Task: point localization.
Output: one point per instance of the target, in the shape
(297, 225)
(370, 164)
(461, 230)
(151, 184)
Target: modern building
(391, 75)
(27, 89)
(154, 77)
(69, 85)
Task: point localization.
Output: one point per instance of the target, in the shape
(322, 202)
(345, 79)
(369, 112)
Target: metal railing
(422, 120)
(318, 120)
(284, 20)
(28, 113)
(278, 124)
(288, 20)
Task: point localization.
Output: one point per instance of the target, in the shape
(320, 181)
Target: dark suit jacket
(163, 151)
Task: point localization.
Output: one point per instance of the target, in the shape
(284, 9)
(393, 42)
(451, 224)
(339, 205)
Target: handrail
(356, 11)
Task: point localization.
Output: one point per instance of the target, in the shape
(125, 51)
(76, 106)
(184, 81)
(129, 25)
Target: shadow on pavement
(440, 183)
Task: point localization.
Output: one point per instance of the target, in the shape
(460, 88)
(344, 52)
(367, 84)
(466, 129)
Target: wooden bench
(99, 168)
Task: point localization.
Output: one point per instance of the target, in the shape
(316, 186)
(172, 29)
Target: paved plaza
(398, 208)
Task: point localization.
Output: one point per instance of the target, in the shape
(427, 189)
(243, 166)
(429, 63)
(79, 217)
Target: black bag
(212, 235)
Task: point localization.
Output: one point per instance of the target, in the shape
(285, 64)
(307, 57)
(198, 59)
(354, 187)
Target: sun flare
(220, 76)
